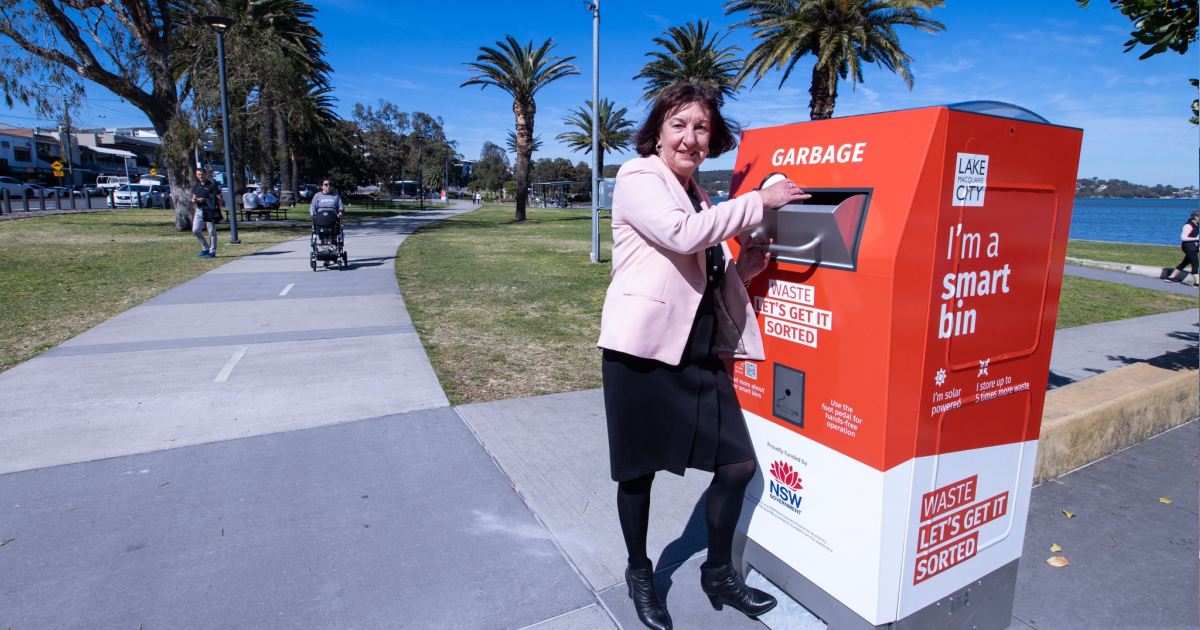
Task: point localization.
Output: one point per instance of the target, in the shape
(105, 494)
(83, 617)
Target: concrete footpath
(268, 447)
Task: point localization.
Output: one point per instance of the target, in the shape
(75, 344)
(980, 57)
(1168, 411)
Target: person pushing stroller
(326, 210)
(326, 198)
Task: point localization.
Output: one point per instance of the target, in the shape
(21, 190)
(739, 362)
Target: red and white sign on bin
(908, 320)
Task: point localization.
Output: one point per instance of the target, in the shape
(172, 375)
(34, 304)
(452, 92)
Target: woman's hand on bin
(753, 258)
(781, 194)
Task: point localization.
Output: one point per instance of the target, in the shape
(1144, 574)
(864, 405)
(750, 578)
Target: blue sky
(1049, 56)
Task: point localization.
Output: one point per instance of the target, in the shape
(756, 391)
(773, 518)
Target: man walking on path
(206, 197)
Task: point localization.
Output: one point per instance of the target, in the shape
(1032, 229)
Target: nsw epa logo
(785, 485)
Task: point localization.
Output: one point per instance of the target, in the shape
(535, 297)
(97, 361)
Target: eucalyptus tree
(127, 47)
(613, 132)
(521, 71)
(691, 54)
(491, 171)
(841, 35)
(384, 130)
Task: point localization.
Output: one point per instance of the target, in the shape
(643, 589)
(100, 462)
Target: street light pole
(594, 5)
(421, 170)
(219, 24)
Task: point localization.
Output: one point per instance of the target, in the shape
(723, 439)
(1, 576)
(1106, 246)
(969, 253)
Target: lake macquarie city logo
(785, 486)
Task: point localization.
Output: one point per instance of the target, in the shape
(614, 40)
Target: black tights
(1189, 258)
(721, 512)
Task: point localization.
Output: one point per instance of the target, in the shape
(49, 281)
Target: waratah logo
(783, 488)
(783, 473)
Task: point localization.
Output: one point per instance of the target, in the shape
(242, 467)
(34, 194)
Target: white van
(159, 180)
(111, 182)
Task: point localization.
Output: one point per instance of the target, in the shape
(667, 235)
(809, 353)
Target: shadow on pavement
(692, 540)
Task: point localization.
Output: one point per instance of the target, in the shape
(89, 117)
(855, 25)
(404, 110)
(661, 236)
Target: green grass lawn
(63, 274)
(1152, 255)
(507, 309)
(1087, 301)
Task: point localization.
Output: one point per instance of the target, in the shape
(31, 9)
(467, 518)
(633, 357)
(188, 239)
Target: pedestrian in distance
(250, 199)
(478, 199)
(1189, 242)
(268, 200)
(676, 310)
(326, 198)
(206, 199)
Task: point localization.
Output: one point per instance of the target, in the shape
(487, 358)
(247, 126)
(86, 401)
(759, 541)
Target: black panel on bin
(788, 388)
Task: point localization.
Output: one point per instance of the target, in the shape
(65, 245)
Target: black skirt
(675, 417)
(666, 417)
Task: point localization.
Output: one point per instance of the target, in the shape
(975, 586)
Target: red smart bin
(908, 322)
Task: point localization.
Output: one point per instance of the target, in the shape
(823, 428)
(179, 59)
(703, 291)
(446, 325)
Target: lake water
(1153, 221)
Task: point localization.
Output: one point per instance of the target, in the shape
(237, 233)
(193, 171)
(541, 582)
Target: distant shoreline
(1147, 198)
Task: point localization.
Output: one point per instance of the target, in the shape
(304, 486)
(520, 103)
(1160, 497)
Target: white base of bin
(984, 604)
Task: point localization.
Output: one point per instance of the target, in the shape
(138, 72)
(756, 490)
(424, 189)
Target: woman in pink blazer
(677, 308)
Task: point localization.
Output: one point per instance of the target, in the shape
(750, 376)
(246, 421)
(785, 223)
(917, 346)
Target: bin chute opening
(823, 231)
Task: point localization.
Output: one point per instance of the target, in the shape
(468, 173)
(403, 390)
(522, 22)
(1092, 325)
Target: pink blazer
(658, 266)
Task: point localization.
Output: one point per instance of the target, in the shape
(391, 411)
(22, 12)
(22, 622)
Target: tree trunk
(524, 114)
(283, 152)
(176, 148)
(824, 93)
(295, 172)
(266, 142)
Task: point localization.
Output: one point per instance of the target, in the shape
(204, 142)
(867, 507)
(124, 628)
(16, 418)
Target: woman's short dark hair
(724, 134)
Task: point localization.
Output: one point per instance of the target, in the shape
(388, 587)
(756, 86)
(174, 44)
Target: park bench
(261, 213)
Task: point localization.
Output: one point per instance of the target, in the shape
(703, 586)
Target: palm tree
(521, 71)
(614, 130)
(310, 117)
(275, 58)
(692, 56)
(511, 143)
(841, 34)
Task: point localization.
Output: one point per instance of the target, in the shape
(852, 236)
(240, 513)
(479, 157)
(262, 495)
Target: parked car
(63, 191)
(307, 191)
(13, 185)
(140, 196)
(37, 190)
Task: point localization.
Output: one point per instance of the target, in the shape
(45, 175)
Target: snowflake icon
(940, 378)
(983, 367)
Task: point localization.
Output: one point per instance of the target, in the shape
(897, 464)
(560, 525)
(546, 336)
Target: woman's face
(684, 138)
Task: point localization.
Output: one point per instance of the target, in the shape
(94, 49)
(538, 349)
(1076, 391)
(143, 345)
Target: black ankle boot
(650, 609)
(724, 586)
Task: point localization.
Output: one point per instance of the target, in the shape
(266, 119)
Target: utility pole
(219, 24)
(66, 136)
(594, 5)
(421, 170)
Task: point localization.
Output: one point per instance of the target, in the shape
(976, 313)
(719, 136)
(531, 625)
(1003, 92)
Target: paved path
(1133, 280)
(267, 447)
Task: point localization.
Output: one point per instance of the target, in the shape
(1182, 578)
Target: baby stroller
(328, 240)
